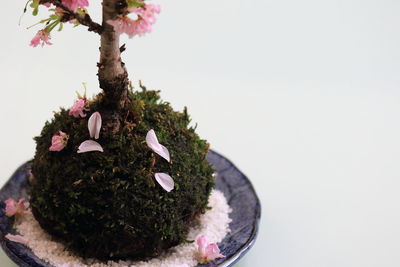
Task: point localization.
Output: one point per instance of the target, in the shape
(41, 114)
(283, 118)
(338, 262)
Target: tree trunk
(113, 77)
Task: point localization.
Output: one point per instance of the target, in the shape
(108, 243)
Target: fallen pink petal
(58, 142)
(77, 110)
(165, 181)
(89, 145)
(207, 252)
(94, 125)
(152, 142)
(16, 238)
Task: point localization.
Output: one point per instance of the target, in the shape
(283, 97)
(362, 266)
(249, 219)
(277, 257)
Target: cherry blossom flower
(73, 5)
(142, 25)
(16, 238)
(152, 142)
(147, 12)
(78, 108)
(58, 142)
(207, 252)
(88, 146)
(94, 125)
(165, 181)
(46, 4)
(42, 37)
(16, 208)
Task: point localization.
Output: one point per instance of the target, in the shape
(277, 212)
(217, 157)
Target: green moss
(108, 205)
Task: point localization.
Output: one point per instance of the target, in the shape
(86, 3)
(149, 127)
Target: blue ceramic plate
(242, 198)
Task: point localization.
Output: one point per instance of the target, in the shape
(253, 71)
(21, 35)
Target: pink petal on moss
(16, 238)
(89, 145)
(94, 125)
(165, 181)
(152, 142)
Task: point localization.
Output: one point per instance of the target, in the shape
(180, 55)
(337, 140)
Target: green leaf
(60, 27)
(35, 11)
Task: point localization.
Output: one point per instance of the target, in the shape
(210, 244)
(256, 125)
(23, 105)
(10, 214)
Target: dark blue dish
(242, 198)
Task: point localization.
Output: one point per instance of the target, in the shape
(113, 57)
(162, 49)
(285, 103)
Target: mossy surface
(108, 205)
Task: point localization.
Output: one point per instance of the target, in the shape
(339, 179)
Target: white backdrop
(303, 95)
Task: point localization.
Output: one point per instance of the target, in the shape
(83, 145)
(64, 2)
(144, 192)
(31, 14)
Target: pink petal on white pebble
(165, 181)
(202, 244)
(212, 252)
(152, 142)
(94, 125)
(89, 145)
(16, 238)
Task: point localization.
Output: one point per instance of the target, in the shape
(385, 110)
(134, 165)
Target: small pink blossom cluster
(207, 252)
(142, 25)
(15, 208)
(78, 108)
(42, 37)
(73, 5)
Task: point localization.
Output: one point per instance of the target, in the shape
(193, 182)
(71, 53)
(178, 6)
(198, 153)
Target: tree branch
(85, 19)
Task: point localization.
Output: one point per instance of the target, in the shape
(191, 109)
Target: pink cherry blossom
(94, 125)
(42, 37)
(73, 5)
(47, 4)
(140, 26)
(16, 238)
(16, 208)
(78, 108)
(152, 142)
(88, 146)
(207, 252)
(165, 181)
(58, 142)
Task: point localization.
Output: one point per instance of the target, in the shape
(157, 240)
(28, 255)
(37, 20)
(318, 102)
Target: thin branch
(85, 19)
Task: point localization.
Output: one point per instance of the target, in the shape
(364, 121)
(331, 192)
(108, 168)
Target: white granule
(214, 224)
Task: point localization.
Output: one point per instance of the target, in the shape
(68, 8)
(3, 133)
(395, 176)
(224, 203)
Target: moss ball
(108, 205)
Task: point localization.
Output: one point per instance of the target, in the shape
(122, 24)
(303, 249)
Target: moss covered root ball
(108, 205)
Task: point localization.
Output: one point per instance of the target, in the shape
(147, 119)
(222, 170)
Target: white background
(302, 95)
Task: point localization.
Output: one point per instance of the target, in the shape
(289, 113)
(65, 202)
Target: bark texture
(113, 77)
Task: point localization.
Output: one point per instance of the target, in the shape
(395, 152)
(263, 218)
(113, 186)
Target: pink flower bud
(58, 142)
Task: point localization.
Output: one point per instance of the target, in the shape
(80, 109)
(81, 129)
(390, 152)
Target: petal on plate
(165, 181)
(152, 142)
(94, 125)
(16, 238)
(89, 145)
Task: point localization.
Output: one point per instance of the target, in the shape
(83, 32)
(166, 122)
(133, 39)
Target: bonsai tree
(121, 175)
